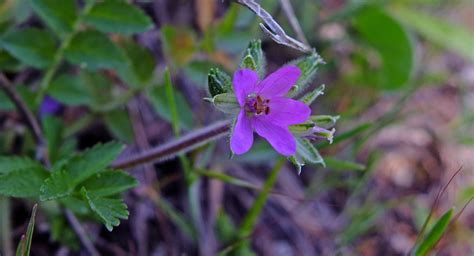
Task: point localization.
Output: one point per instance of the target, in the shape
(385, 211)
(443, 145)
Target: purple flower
(49, 106)
(265, 109)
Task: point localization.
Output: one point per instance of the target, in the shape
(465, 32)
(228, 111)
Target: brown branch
(182, 145)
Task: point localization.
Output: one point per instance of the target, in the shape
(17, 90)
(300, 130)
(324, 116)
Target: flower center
(257, 105)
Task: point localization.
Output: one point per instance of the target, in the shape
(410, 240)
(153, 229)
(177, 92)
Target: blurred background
(399, 73)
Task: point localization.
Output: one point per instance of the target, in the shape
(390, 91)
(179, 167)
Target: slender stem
(81, 233)
(58, 57)
(21, 106)
(290, 14)
(171, 149)
(250, 220)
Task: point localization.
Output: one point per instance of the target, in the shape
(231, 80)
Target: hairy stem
(172, 149)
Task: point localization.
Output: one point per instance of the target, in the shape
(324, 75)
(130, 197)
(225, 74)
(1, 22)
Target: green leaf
(218, 82)
(24, 246)
(397, 58)
(93, 50)
(142, 64)
(118, 17)
(69, 90)
(450, 36)
(118, 122)
(109, 210)
(227, 103)
(308, 66)
(93, 161)
(21, 177)
(197, 71)
(8, 62)
(178, 43)
(157, 96)
(309, 98)
(13, 163)
(60, 17)
(434, 235)
(32, 46)
(308, 152)
(337, 164)
(58, 185)
(109, 183)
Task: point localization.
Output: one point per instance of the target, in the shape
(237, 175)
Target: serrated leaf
(12, 163)
(24, 246)
(32, 46)
(58, 185)
(92, 161)
(308, 152)
(118, 122)
(109, 183)
(397, 58)
(69, 90)
(227, 103)
(142, 64)
(59, 17)
(308, 66)
(22, 181)
(93, 50)
(309, 98)
(118, 17)
(109, 210)
(434, 235)
(218, 82)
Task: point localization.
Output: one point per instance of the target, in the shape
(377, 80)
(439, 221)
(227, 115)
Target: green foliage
(109, 183)
(24, 246)
(118, 122)
(435, 234)
(308, 66)
(218, 82)
(59, 17)
(109, 210)
(20, 176)
(93, 50)
(69, 90)
(397, 58)
(58, 185)
(254, 58)
(157, 96)
(118, 17)
(39, 54)
(435, 29)
(308, 152)
(142, 64)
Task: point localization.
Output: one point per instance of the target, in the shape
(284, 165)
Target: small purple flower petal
(245, 81)
(279, 82)
(284, 111)
(279, 137)
(49, 106)
(242, 137)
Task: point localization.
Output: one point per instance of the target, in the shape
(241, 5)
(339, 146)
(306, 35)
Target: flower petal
(284, 111)
(279, 137)
(245, 81)
(242, 136)
(279, 82)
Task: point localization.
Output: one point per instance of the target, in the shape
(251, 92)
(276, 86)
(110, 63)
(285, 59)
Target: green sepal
(218, 82)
